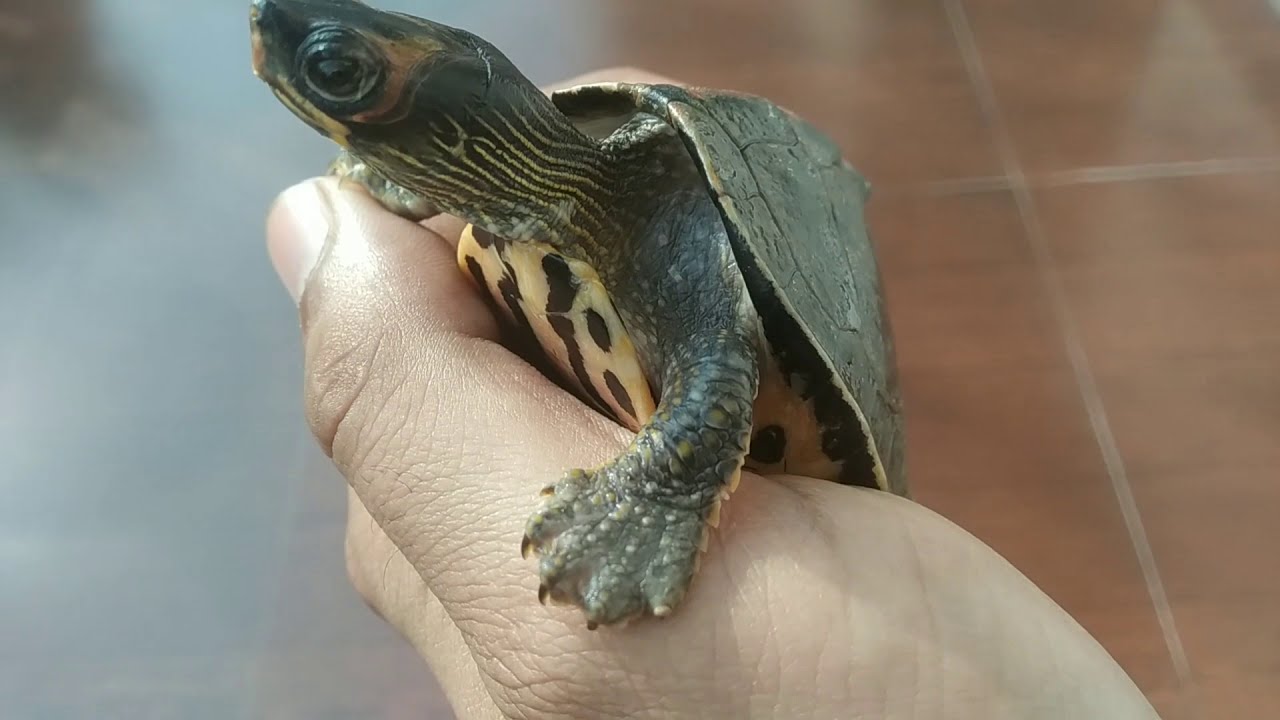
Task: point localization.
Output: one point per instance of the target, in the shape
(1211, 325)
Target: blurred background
(1076, 210)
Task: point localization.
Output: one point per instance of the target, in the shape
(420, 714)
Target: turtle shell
(794, 212)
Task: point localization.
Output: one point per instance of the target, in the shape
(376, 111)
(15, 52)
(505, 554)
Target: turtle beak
(255, 36)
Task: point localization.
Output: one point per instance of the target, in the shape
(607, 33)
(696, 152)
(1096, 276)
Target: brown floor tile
(1195, 416)
(1173, 285)
(1010, 457)
(1008, 454)
(1195, 220)
(1220, 301)
(1251, 696)
(1198, 437)
(884, 77)
(1228, 635)
(1099, 82)
(960, 283)
(1215, 535)
(1172, 266)
(997, 436)
(948, 233)
(1172, 704)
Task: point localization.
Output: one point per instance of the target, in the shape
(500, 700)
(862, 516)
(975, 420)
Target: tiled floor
(1076, 208)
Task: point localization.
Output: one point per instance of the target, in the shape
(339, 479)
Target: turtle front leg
(391, 196)
(624, 540)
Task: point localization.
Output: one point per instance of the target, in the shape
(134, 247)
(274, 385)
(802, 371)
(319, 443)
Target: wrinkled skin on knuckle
(364, 403)
(343, 356)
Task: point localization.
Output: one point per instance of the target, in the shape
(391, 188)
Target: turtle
(695, 262)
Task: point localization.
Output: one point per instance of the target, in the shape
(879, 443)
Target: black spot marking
(599, 330)
(619, 393)
(483, 237)
(561, 282)
(510, 291)
(563, 327)
(477, 273)
(486, 239)
(843, 440)
(769, 445)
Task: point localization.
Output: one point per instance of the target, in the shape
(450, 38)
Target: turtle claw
(613, 554)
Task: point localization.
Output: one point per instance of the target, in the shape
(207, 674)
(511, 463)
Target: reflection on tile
(1097, 82)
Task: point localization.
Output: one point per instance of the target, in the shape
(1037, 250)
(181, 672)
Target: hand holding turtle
(693, 261)
(813, 600)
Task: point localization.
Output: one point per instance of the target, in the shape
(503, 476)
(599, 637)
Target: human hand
(813, 600)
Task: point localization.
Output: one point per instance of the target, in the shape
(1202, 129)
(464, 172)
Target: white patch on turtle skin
(619, 359)
(564, 211)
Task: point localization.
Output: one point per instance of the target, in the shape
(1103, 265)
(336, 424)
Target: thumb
(443, 433)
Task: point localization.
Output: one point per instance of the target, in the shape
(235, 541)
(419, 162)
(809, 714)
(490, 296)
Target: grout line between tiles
(966, 185)
(1159, 171)
(1099, 175)
(1085, 380)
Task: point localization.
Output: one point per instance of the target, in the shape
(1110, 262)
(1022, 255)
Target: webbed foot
(612, 552)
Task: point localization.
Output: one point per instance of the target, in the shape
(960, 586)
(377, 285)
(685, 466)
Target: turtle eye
(337, 77)
(339, 67)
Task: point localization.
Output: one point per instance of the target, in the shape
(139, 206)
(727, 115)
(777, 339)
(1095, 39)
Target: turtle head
(434, 109)
(354, 72)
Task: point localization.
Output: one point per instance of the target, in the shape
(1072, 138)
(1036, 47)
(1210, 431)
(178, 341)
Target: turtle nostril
(255, 12)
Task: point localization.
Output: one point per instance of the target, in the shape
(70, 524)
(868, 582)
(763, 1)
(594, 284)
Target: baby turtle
(694, 260)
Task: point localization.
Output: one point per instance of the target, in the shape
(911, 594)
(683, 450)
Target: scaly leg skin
(391, 196)
(624, 540)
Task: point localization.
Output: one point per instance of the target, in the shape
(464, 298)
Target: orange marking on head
(403, 60)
